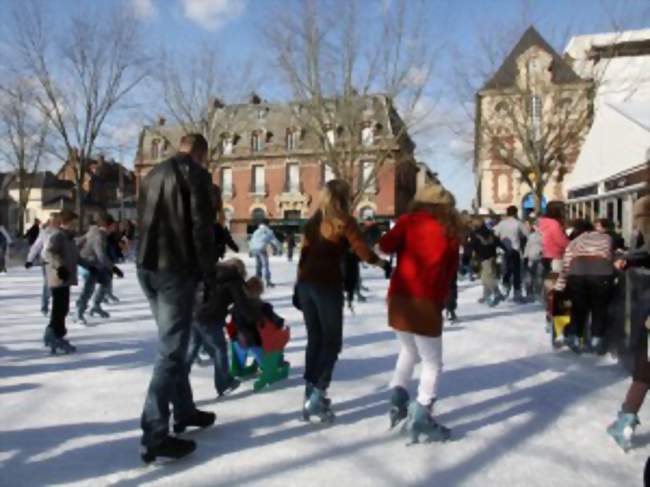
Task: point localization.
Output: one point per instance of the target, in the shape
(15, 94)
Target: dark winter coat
(484, 243)
(176, 217)
(427, 262)
(247, 323)
(215, 298)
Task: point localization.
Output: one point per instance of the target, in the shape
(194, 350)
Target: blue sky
(236, 26)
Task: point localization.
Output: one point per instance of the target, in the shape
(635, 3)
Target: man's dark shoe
(198, 419)
(170, 447)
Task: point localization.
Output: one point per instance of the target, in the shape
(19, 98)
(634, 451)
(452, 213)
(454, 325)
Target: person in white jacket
(5, 242)
(262, 237)
(35, 257)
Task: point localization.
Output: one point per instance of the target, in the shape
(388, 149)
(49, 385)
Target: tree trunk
(538, 194)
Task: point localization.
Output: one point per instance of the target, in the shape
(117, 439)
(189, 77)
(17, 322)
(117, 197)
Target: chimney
(217, 103)
(161, 120)
(255, 99)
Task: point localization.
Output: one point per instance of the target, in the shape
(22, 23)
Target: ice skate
(421, 424)
(80, 318)
(519, 298)
(622, 430)
(573, 342)
(318, 405)
(48, 337)
(61, 345)
(97, 310)
(597, 346)
(199, 419)
(170, 447)
(399, 401)
(452, 317)
(233, 384)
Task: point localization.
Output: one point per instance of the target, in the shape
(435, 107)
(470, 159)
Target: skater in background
(605, 225)
(60, 256)
(291, 245)
(35, 257)
(97, 267)
(262, 238)
(351, 278)
(426, 241)
(512, 232)
(116, 255)
(484, 245)
(176, 217)
(587, 274)
(327, 235)
(533, 263)
(222, 236)
(554, 237)
(5, 243)
(622, 429)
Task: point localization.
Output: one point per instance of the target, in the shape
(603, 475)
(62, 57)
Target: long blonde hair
(335, 199)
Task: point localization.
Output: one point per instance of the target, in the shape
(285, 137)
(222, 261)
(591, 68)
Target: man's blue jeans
(262, 265)
(90, 280)
(211, 337)
(171, 298)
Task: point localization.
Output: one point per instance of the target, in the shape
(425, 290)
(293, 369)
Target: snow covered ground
(521, 414)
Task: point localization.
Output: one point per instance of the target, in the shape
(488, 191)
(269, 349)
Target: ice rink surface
(521, 414)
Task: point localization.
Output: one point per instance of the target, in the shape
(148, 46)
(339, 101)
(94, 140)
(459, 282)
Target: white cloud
(213, 14)
(144, 9)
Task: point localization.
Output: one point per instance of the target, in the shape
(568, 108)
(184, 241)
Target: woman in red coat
(427, 247)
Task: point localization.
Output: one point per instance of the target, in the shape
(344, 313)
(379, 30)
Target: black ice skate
(170, 447)
(61, 345)
(97, 310)
(318, 405)
(199, 419)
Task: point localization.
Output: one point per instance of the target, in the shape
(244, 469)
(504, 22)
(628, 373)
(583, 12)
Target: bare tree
(24, 134)
(83, 75)
(333, 66)
(195, 88)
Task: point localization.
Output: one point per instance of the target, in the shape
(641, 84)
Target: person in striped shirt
(587, 274)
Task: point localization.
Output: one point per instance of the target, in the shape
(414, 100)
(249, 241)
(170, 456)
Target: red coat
(427, 261)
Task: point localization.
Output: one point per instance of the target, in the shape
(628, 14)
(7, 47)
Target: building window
(257, 142)
(226, 181)
(292, 178)
(292, 214)
(293, 137)
(258, 215)
(328, 172)
(367, 136)
(155, 148)
(226, 145)
(258, 183)
(331, 136)
(368, 177)
(536, 116)
(228, 215)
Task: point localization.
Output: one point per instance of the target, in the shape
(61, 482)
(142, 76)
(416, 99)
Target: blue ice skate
(420, 423)
(622, 430)
(318, 405)
(399, 401)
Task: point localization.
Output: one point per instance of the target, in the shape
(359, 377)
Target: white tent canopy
(618, 140)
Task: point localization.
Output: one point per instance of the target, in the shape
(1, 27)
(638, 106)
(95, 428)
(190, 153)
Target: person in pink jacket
(554, 238)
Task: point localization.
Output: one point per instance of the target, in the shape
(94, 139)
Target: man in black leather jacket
(176, 252)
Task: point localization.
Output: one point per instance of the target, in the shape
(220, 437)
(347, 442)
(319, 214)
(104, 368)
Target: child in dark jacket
(211, 309)
(484, 244)
(260, 331)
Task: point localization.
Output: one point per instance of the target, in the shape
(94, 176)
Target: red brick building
(269, 165)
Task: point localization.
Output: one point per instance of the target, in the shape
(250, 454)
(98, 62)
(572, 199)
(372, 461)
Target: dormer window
(155, 148)
(367, 136)
(226, 145)
(257, 142)
(292, 139)
(331, 136)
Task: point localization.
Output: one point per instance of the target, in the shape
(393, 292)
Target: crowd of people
(203, 301)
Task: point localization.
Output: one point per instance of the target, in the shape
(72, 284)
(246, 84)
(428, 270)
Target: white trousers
(429, 351)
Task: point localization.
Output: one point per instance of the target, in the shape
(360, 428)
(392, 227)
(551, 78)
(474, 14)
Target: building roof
(619, 140)
(506, 75)
(44, 180)
(619, 62)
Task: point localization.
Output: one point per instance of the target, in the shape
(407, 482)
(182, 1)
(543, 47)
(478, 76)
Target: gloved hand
(388, 268)
(63, 273)
(118, 272)
(28, 265)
